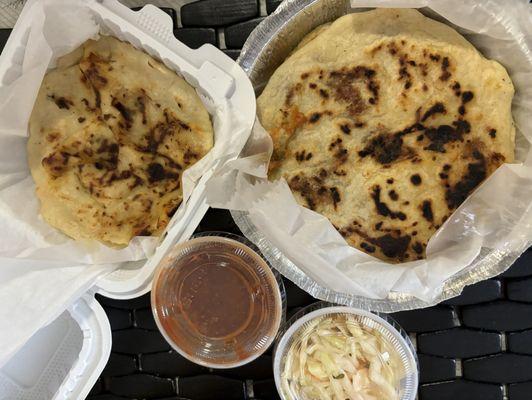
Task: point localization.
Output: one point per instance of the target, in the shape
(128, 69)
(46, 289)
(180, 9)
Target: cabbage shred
(337, 358)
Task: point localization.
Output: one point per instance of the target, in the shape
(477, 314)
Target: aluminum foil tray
(266, 48)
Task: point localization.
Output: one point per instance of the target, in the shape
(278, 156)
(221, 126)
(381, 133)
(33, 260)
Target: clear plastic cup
(216, 301)
(299, 328)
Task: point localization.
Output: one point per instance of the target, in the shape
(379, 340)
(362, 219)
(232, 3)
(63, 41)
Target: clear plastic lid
(216, 301)
(339, 353)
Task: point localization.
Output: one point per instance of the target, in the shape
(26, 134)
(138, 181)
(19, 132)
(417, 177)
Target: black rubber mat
(475, 346)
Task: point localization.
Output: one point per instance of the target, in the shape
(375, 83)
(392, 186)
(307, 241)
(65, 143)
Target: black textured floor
(477, 346)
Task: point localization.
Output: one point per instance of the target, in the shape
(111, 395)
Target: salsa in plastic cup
(216, 301)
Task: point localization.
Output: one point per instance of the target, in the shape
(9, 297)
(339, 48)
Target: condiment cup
(216, 301)
(303, 324)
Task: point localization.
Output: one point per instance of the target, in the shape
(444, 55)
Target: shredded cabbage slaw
(337, 358)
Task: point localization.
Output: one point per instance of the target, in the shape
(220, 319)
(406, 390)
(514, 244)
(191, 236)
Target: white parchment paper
(497, 215)
(42, 271)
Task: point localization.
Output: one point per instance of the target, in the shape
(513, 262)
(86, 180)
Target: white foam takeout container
(64, 359)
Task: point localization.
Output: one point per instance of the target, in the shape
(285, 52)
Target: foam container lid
(65, 358)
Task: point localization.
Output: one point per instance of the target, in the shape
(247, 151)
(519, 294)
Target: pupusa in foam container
(39, 260)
